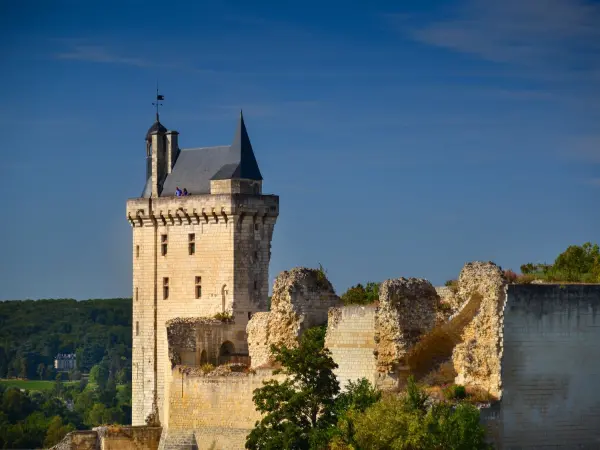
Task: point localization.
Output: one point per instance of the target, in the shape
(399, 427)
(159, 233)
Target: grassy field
(32, 385)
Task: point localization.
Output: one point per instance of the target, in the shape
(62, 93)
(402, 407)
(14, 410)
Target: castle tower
(195, 256)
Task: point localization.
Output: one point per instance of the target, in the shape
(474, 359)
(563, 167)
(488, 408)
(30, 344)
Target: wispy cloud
(593, 182)
(541, 34)
(100, 54)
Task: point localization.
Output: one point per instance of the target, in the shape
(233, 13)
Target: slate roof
(195, 167)
(156, 126)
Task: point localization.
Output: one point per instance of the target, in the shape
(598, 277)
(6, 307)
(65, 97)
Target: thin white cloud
(593, 182)
(100, 54)
(553, 34)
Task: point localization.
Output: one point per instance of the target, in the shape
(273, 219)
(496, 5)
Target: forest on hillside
(33, 332)
(36, 413)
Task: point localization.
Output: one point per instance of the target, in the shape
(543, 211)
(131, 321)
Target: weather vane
(159, 97)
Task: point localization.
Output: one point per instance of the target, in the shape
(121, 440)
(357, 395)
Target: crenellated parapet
(206, 209)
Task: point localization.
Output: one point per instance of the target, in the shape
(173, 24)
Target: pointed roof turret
(240, 151)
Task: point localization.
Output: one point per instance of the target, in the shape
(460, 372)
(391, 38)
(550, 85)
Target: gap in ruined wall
(436, 347)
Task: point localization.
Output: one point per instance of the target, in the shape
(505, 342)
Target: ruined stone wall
(407, 310)
(351, 340)
(477, 358)
(216, 409)
(128, 438)
(550, 367)
(78, 440)
(301, 299)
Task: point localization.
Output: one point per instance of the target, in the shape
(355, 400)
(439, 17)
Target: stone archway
(226, 351)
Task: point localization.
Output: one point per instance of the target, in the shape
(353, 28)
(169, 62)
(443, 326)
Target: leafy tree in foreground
(298, 413)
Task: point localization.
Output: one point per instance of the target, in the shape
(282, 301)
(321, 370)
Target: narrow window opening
(165, 288)
(256, 226)
(137, 328)
(136, 294)
(191, 243)
(137, 251)
(249, 315)
(255, 256)
(255, 285)
(163, 244)
(198, 287)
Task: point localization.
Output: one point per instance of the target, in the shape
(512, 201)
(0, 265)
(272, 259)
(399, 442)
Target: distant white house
(65, 361)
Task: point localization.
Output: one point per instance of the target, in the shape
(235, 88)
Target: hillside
(32, 332)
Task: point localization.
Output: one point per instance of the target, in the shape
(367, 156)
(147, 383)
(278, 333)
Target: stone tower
(195, 256)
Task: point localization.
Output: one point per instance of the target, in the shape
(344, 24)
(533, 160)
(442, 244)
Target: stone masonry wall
(217, 223)
(301, 299)
(550, 367)
(217, 409)
(351, 340)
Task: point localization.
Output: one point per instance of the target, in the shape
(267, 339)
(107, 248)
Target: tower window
(137, 251)
(255, 256)
(255, 285)
(249, 315)
(192, 243)
(137, 328)
(198, 287)
(136, 294)
(165, 288)
(163, 244)
(256, 226)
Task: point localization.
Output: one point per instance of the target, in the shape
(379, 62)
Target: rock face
(301, 299)
(477, 358)
(407, 309)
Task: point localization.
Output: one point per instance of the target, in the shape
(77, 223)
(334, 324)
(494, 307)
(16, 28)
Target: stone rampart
(351, 340)
(550, 367)
(477, 358)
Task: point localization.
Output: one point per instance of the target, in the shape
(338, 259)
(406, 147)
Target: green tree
(298, 413)
(357, 397)
(99, 375)
(407, 423)
(56, 431)
(361, 295)
(41, 369)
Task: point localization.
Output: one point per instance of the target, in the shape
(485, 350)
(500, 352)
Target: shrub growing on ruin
(455, 392)
(298, 413)
(406, 422)
(207, 368)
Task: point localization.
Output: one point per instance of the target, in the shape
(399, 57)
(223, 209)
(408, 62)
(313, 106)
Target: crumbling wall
(118, 437)
(477, 358)
(301, 299)
(258, 338)
(78, 440)
(192, 338)
(351, 340)
(407, 310)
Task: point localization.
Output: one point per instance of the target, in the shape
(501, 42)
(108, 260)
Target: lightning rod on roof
(159, 98)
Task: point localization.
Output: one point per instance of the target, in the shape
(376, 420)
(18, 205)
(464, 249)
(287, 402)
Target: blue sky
(403, 138)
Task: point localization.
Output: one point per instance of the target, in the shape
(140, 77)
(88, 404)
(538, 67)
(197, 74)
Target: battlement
(196, 209)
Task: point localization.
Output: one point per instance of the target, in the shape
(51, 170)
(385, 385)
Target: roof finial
(159, 97)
